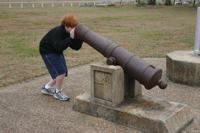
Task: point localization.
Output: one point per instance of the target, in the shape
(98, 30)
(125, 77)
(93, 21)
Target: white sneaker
(61, 96)
(47, 91)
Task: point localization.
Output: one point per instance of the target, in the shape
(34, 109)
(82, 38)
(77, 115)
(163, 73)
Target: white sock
(47, 87)
(58, 90)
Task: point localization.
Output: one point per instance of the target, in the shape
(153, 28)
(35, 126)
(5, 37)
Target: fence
(80, 3)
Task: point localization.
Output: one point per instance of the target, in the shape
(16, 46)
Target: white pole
(63, 4)
(9, 5)
(33, 5)
(21, 5)
(71, 4)
(52, 5)
(197, 34)
(42, 5)
(94, 3)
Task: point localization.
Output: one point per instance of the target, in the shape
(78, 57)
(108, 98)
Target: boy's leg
(52, 82)
(59, 81)
(47, 89)
(59, 94)
(57, 68)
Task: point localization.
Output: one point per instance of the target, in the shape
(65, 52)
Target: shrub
(141, 3)
(151, 2)
(168, 2)
(190, 1)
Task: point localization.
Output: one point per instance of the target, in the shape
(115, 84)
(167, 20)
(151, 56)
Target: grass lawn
(149, 32)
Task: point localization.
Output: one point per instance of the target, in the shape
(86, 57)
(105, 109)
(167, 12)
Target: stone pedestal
(183, 67)
(117, 97)
(107, 84)
(132, 87)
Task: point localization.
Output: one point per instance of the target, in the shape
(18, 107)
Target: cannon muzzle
(139, 69)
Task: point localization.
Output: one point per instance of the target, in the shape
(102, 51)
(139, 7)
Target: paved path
(24, 109)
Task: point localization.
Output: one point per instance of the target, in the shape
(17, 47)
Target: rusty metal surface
(139, 69)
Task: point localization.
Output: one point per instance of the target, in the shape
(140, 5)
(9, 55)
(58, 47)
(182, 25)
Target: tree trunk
(194, 3)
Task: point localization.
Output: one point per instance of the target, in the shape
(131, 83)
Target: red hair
(69, 21)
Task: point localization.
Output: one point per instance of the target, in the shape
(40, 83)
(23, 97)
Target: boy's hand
(72, 33)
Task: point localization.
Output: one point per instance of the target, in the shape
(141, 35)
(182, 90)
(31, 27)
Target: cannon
(133, 65)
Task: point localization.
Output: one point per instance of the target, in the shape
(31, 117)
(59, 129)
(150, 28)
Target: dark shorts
(55, 64)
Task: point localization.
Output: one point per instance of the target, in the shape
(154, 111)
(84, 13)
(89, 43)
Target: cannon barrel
(139, 69)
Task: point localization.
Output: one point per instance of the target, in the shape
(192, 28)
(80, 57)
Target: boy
(51, 49)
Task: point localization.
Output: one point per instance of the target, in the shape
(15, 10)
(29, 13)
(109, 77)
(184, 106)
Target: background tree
(151, 2)
(194, 3)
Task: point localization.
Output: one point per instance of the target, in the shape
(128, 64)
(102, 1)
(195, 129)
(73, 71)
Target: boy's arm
(76, 44)
(60, 44)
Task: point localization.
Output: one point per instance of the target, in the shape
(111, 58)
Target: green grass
(149, 18)
(158, 56)
(120, 30)
(32, 63)
(190, 44)
(151, 34)
(105, 18)
(141, 44)
(19, 45)
(6, 17)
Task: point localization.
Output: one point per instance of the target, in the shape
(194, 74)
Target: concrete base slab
(183, 67)
(141, 113)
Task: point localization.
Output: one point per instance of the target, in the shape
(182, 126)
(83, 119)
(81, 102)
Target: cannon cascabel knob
(162, 84)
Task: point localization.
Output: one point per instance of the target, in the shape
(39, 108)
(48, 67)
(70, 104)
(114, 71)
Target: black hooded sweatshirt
(57, 40)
